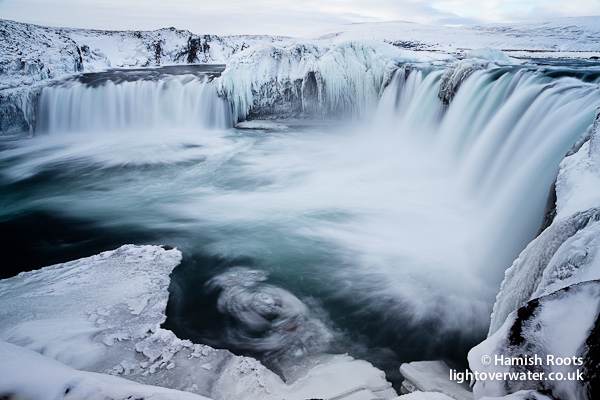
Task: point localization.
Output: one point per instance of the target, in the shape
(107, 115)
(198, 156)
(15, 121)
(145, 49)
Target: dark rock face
(195, 50)
(550, 209)
(591, 363)
(562, 330)
(18, 111)
(12, 119)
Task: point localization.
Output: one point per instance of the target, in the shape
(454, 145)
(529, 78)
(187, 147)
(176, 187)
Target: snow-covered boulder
(549, 345)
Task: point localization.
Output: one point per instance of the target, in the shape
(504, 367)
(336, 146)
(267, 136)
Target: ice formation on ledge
(454, 76)
(103, 314)
(310, 79)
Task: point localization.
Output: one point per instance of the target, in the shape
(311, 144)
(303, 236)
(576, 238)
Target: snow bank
(28, 375)
(566, 252)
(103, 314)
(556, 327)
(489, 54)
(31, 53)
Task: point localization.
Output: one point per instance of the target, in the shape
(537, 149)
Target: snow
(489, 54)
(559, 35)
(102, 314)
(28, 375)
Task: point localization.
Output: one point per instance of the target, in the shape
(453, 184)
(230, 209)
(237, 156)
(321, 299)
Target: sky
(281, 17)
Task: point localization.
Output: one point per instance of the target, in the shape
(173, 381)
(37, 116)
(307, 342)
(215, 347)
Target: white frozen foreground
(103, 314)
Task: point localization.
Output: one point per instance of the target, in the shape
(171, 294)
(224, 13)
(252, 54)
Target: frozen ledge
(432, 376)
(102, 314)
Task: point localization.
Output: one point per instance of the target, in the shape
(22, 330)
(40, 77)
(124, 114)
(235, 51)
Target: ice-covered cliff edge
(102, 314)
(312, 78)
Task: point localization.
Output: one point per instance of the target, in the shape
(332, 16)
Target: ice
(28, 375)
(432, 376)
(310, 78)
(261, 125)
(103, 313)
(456, 74)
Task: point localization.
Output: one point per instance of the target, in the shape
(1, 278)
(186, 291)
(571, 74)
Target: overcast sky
(280, 17)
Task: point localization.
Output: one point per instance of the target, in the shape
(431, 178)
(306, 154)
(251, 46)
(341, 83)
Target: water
(386, 239)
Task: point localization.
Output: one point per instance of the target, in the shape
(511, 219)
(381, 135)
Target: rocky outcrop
(549, 345)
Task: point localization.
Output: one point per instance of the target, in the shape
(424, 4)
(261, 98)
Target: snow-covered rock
(549, 345)
(31, 53)
(549, 300)
(489, 54)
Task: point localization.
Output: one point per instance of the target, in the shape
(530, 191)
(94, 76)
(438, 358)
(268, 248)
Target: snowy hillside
(568, 36)
(31, 53)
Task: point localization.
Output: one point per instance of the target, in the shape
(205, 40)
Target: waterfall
(393, 232)
(505, 132)
(183, 101)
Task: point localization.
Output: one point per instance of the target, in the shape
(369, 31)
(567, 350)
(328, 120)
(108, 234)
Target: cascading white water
(185, 101)
(504, 132)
